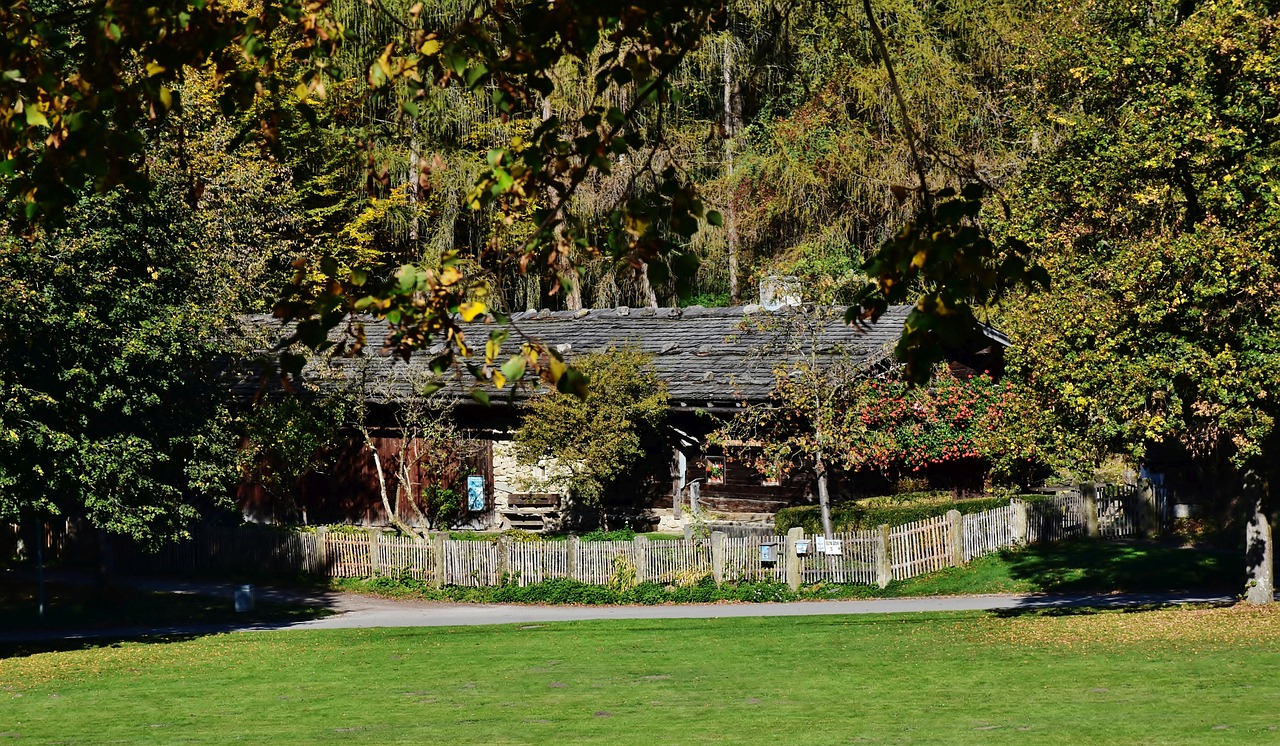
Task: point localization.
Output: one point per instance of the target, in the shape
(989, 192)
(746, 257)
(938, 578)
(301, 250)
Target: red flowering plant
(889, 426)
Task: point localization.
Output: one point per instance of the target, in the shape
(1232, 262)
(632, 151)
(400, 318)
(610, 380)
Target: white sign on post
(833, 547)
(819, 544)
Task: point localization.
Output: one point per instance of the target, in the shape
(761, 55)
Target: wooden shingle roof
(704, 355)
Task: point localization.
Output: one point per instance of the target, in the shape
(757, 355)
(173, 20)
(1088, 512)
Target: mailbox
(802, 546)
(768, 554)
(244, 598)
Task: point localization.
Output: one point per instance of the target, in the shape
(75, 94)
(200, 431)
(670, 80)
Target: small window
(770, 474)
(715, 470)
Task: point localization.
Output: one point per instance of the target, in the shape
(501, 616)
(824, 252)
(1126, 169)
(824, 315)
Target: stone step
(530, 525)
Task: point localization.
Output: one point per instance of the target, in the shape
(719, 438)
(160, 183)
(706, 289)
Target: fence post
(437, 554)
(1089, 491)
(1019, 521)
(503, 570)
(573, 565)
(1150, 511)
(955, 533)
(883, 568)
(792, 559)
(642, 558)
(717, 556)
(322, 552)
(374, 535)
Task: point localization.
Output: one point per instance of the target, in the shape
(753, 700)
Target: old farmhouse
(713, 361)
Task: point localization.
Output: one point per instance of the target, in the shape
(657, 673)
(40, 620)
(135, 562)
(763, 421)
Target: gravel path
(358, 611)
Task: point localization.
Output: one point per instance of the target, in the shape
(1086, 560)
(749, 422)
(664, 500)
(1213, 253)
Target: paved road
(358, 611)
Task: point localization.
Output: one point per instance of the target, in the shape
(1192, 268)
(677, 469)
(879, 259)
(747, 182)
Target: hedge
(565, 591)
(860, 517)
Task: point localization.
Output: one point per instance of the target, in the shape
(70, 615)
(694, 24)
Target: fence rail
(870, 557)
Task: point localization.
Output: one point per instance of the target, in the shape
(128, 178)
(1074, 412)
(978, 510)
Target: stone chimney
(777, 291)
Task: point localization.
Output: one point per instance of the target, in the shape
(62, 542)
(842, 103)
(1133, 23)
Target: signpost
(475, 493)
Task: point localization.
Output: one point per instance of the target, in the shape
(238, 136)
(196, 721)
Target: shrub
(625, 575)
(621, 534)
(565, 591)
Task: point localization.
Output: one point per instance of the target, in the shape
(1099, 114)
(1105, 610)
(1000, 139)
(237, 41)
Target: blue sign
(475, 494)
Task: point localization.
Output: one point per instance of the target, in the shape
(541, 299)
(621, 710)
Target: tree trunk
(646, 289)
(568, 275)
(677, 482)
(414, 185)
(732, 123)
(573, 296)
(382, 489)
(405, 477)
(824, 497)
(106, 558)
(1259, 552)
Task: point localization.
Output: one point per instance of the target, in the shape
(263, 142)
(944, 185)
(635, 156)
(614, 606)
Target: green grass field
(1163, 676)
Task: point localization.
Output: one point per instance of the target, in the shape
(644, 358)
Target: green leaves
(513, 369)
(573, 382)
(592, 439)
(1160, 330)
(114, 410)
(516, 55)
(408, 279)
(75, 83)
(946, 263)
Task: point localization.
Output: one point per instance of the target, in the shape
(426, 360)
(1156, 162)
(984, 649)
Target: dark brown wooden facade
(743, 489)
(349, 491)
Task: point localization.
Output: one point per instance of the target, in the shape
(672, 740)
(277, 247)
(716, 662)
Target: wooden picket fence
(989, 531)
(868, 557)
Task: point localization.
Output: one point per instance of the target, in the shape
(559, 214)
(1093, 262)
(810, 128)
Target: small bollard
(244, 598)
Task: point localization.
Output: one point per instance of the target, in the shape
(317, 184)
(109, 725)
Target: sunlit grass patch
(1235, 625)
(1156, 676)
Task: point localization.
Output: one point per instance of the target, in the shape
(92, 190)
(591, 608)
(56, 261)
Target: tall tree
(112, 407)
(1155, 213)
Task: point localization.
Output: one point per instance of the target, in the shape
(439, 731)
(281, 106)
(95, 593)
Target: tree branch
(905, 113)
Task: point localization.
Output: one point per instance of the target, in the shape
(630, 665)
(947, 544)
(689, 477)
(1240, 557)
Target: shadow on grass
(1101, 608)
(1089, 566)
(20, 649)
(80, 613)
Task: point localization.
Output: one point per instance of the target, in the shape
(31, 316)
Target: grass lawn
(1163, 676)
(1084, 566)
